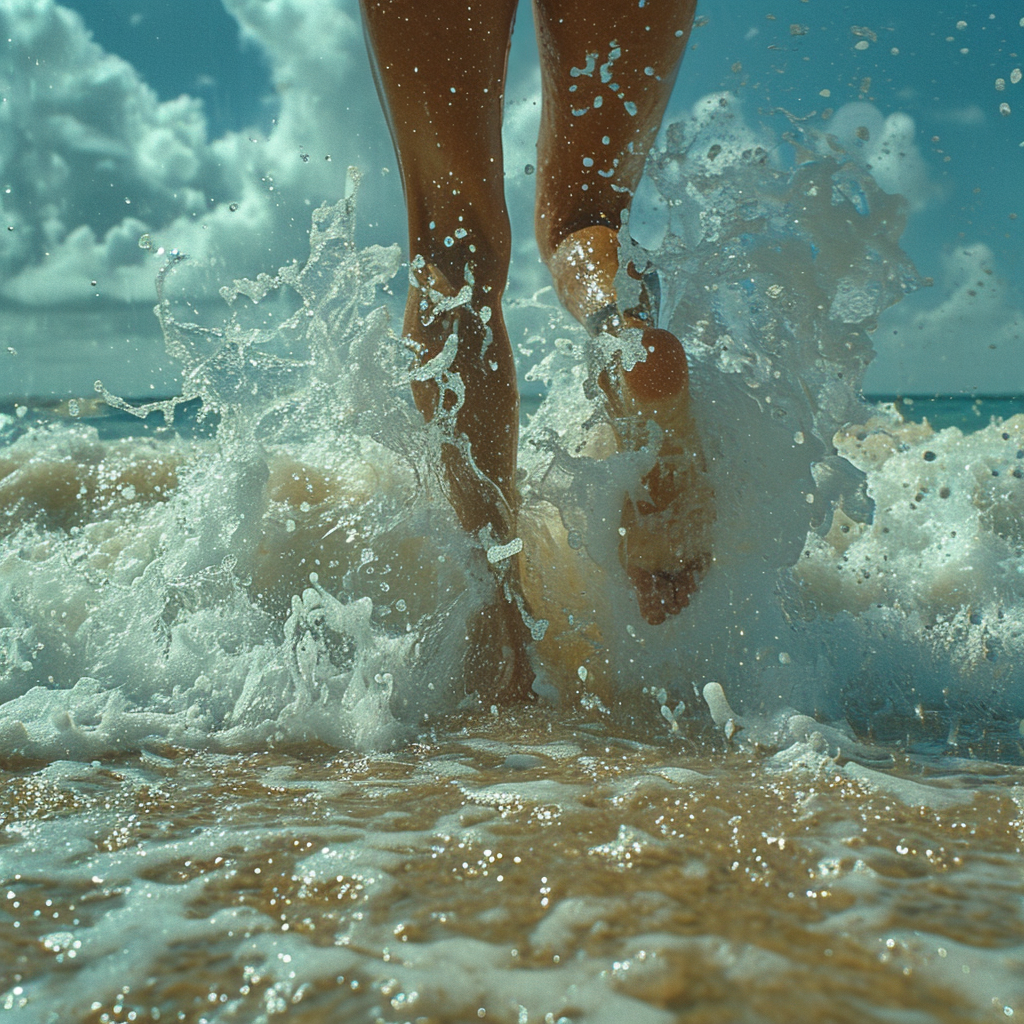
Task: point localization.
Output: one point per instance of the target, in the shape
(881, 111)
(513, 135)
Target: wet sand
(519, 869)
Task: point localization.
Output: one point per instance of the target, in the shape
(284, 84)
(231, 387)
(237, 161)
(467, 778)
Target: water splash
(300, 578)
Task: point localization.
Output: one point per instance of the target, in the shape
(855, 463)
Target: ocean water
(244, 777)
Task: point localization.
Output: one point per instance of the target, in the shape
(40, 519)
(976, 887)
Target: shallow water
(245, 775)
(514, 868)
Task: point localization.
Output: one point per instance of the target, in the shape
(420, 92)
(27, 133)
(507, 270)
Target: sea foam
(300, 578)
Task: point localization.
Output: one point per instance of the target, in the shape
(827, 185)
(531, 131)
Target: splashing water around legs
(301, 576)
(449, 147)
(440, 72)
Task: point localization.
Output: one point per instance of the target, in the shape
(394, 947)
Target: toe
(661, 594)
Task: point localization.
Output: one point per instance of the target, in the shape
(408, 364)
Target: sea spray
(777, 261)
(309, 485)
(301, 578)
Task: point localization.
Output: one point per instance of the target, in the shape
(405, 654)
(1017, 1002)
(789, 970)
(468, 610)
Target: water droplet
(529, 169)
(500, 552)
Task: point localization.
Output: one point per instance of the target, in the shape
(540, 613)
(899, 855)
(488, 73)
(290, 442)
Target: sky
(216, 127)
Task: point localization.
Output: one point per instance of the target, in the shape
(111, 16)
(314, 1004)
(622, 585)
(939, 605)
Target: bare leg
(440, 69)
(607, 70)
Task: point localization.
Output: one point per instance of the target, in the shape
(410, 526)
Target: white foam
(194, 620)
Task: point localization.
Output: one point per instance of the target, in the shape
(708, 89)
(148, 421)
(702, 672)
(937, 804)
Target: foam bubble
(300, 578)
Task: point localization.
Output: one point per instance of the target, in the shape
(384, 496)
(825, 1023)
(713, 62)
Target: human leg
(440, 71)
(607, 73)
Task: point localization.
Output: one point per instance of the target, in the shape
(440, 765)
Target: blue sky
(203, 105)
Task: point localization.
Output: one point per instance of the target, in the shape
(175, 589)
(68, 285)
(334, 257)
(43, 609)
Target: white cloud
(887, 146)
(89, 154)
(92, 159)
(970, 340)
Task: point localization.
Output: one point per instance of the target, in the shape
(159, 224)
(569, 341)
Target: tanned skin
(608, 68)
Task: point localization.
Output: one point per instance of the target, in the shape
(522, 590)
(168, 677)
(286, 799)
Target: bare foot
(666, 542)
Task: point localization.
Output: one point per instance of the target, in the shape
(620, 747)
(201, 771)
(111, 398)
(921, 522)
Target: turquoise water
(964, 412)
(967, 412)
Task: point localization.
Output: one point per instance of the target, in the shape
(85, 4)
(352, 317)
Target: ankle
(583, 267)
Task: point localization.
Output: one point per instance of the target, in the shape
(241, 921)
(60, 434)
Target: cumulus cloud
(970, 340)
(887, 147)
(90, 159)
